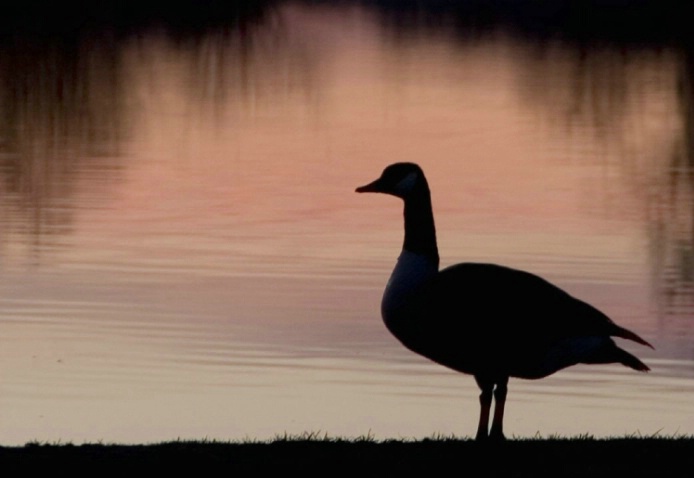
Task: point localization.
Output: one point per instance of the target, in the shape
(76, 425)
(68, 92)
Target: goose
(486, 320)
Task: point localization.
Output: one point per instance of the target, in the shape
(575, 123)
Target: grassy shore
(567, 457)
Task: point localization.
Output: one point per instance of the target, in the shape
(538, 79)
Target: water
(182, 254)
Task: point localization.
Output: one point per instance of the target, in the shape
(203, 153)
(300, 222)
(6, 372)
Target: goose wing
(512, 303)
(472, 316)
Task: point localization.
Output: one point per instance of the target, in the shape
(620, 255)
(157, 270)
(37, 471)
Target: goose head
(399, 180)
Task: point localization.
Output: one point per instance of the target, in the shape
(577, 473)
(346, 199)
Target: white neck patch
(407, 183)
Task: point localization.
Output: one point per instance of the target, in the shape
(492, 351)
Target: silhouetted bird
(486, 320)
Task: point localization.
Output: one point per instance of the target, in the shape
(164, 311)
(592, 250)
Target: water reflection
(632, 107)
(177, 223)
(635, 104)
(69, 106)
(618, 81)
(249, 70)
(62, 104)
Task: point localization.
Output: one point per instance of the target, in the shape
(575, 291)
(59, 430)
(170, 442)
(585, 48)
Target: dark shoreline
(625, 23)
(632, 457)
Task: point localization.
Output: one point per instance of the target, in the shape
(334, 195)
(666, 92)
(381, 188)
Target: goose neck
(420, 231)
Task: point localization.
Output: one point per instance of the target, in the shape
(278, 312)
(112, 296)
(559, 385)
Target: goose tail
(630, 361)
(629, 335)
(606, 351)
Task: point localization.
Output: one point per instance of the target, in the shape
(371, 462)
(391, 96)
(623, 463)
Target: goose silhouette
(486, 320)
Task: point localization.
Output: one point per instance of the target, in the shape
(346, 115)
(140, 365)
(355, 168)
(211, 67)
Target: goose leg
(500, 392)
(487, 388)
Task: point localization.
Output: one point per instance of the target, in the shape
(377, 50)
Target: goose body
(486, 320)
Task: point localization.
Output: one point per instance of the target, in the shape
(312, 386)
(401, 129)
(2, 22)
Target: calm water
(182, 254)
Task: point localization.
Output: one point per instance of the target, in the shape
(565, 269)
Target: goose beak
(369, 188)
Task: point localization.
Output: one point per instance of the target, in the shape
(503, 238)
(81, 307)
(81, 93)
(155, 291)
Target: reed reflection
(62, 114)
(634, 106)
(248, 70)
(671, 210)
(68, 103)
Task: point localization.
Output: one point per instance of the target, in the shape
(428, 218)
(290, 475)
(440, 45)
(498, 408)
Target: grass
(316, 453)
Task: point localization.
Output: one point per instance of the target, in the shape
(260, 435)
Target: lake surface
(182, 254)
